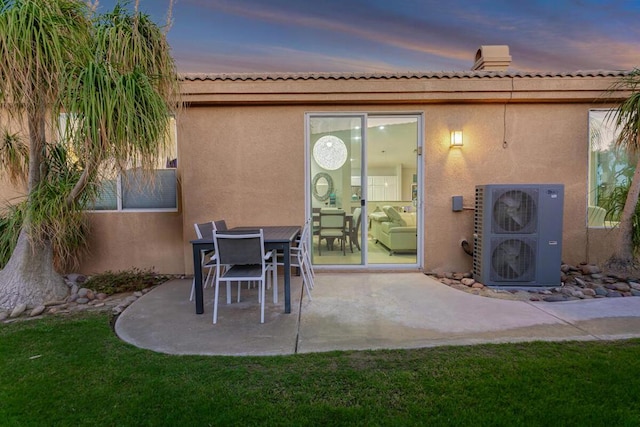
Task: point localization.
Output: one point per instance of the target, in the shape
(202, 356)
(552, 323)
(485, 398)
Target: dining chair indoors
(243, 254)
(355, 228)
(332, 226)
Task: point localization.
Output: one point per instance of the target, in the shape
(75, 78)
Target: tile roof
(397, 76)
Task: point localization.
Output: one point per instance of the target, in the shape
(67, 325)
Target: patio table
(277, 238)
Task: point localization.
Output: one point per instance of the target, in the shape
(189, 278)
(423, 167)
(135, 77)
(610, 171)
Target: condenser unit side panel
(550, 235)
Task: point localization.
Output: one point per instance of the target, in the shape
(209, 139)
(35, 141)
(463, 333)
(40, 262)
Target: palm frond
(14, 157)
(38, 41)
(627, 116)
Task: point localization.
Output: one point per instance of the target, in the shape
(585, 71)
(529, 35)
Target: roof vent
(492, 58)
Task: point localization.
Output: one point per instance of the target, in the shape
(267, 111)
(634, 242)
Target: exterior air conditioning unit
(518, 235)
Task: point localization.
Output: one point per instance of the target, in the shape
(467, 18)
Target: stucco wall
(545, 143)
(241, 158)
(246, 165)
(144, 240)
(243, 165)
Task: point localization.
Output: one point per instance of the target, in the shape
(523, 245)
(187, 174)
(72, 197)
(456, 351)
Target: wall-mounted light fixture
(456, 138)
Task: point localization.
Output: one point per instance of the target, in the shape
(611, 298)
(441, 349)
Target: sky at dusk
(371, 36)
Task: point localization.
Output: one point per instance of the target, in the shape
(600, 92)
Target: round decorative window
(330, 152)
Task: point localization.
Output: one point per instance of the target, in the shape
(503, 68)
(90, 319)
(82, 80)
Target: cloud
(338, 35)
(275, 59)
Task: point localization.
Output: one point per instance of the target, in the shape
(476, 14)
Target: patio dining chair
(301, 258)
(204, 229)
(332, 227)
(243, 254)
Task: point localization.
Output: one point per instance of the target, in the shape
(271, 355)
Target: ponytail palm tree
(113, 77)
(627, 120)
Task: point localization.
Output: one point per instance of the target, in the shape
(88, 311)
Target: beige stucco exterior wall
(244, 144)
(127, 240)
(545, 143)
(244, 165)
(246, 178)
(242, 158)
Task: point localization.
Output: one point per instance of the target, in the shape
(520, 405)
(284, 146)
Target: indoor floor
(377, 253)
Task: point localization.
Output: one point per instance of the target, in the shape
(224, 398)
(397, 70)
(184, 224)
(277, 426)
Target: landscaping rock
(600, 290)
(585, 281)
(18, 310)
(580, 281)
(619, 286)
(37, 311)
(590, 269)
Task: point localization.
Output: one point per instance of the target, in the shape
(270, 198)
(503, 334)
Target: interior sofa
(394, 229)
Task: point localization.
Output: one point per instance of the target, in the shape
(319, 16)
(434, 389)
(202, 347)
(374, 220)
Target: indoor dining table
(278, 238)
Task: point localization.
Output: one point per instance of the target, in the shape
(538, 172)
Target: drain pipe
(466, 247)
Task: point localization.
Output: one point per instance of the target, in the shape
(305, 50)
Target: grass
(75, 371)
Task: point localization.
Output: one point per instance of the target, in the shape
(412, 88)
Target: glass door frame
(364, 116)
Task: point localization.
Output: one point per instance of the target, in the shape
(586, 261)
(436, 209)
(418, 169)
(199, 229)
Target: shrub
(132, 280)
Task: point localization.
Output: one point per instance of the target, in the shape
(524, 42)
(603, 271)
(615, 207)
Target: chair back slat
(220, 225)
(332, 219)
(239, 248)
(204, 229)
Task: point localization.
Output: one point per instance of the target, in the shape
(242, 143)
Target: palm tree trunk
(29, 276)
(623, 257)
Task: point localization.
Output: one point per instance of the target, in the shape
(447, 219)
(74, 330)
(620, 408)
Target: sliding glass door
(363, 188)
(392, 181)
(335, 173)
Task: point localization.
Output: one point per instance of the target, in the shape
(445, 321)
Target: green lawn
(75, 371)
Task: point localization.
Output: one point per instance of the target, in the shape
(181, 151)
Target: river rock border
(80, 299)
(579, 282)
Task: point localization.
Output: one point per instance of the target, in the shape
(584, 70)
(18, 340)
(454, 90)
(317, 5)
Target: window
(609, 168)
(131, 191)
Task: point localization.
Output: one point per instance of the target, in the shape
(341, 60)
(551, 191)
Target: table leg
(287, 278)
(197, 275)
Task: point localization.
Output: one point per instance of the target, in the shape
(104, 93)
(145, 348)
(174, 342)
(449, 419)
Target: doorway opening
(363, 192)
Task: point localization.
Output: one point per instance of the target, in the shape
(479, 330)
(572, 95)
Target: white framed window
(132, 190)
(609, 168)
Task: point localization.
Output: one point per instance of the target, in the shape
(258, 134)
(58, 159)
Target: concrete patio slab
(360, 311)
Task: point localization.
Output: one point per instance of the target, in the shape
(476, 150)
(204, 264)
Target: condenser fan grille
(513, 260)
(515, 211)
